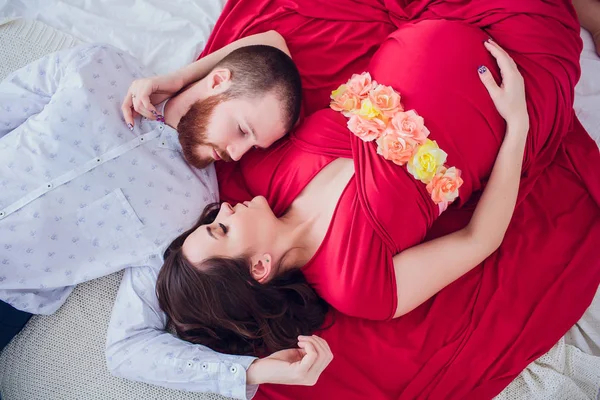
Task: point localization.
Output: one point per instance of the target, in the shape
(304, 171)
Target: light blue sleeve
(139, 348)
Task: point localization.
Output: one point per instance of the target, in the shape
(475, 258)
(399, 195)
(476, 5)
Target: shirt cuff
(246, 391)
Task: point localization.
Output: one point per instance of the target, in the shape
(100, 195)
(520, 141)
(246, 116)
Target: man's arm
(138, 347)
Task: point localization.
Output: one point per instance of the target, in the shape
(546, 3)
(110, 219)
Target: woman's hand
(144, 93)
(509, 97)
(302, 366)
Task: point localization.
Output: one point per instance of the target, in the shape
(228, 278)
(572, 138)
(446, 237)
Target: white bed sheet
(163, 34)
(587, 91)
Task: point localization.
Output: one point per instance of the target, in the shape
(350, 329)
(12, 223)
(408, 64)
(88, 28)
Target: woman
(237, 269)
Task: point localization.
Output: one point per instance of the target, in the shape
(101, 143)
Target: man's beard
(192, 129)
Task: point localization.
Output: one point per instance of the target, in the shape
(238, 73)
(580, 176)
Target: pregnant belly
(433, 64)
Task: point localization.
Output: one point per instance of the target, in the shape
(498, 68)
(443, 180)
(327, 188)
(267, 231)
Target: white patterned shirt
(81, 196)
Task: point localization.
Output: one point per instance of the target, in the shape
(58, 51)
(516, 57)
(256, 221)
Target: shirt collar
(169, 137)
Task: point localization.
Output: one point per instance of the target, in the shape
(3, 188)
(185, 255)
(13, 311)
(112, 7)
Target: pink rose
(410, 125)
(361, 84)
(366, 129)
(386, 99)
(444, 185)
(395, 148)
(344, 100)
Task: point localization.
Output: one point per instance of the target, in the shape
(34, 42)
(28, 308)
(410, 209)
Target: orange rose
(386, 99)
(396, 148)
(444, 185)
(410, 125)
(344, 100)
(366, 129)
(361, 84)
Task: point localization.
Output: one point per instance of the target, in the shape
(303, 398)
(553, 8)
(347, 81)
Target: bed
(62, 356)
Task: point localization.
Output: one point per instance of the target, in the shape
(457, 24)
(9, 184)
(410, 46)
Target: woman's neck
(296, 240)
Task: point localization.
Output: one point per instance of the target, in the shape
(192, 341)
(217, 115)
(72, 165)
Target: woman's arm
(199, 69)
(155, 90)
(424, 270)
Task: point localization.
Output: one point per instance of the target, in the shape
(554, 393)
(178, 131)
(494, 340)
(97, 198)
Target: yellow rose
(368, 110)
(427, 161)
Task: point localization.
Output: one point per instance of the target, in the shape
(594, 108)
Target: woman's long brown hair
(220, 304)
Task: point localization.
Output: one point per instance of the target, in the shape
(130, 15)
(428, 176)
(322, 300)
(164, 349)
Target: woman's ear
(262, 268)
(219, 80)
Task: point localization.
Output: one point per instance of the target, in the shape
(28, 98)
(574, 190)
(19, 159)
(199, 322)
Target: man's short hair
(260, 69)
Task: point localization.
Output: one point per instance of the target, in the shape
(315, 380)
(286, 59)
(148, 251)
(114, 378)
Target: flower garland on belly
(375, 113)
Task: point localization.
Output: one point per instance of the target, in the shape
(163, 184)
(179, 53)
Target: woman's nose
(226, 208)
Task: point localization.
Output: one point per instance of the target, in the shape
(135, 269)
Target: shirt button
(49, 186)
(233, 369)
(190, 364)
(161, 127)
(141, 139)
(98, 160)
(1, 213)
(204, 365)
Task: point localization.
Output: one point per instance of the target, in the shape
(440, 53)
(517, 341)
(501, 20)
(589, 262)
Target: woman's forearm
(199, 69)
(497, 203)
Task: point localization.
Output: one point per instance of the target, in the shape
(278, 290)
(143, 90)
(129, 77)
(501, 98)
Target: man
(82, 196)
(216, 116)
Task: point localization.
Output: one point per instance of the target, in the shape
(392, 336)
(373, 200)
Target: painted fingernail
(153, 112)
(160, 118)
(482, 69)
(130, 126)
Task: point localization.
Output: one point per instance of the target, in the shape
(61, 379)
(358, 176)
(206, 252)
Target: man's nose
(237, 151)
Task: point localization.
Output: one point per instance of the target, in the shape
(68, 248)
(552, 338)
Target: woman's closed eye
(224, 228)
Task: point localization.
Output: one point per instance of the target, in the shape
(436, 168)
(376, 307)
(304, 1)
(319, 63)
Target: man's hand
(301, 366)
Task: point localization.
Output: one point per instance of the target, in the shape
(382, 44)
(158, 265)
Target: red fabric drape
(476, 335)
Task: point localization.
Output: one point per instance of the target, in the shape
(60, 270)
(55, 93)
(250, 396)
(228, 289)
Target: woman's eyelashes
(224, 228)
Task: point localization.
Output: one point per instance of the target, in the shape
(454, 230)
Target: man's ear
(219, 80)
(262, 268)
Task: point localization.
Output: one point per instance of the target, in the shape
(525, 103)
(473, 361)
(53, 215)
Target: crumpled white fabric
(587, 91)
(163, 35)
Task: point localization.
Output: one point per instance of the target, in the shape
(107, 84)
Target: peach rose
(344, 100)
(427, 161)
(366, 129)
(396, 148)
(386, 99)
(444, 185)
(361, 84)
(409, 124)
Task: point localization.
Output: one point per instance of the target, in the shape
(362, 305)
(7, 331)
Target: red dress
(476, 335)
